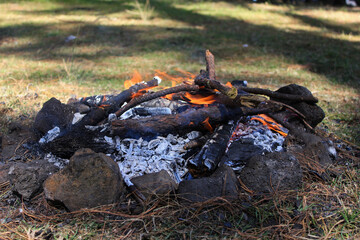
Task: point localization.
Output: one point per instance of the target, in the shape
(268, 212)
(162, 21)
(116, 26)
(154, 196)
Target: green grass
(318, 47)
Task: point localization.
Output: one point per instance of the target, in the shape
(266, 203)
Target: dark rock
(91, 179)
(80, 107)
(154, 184)
(53, 113)
(240, 152)
(271, 172)
(313, 113)
(315, 148)
(27, 178)
(222, 183)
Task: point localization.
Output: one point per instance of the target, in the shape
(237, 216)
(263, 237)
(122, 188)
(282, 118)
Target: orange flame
(199, 99)
(228, 84)
(176, 79)
(142, 92)
(207, 125)
(136, 78)
(270, 123)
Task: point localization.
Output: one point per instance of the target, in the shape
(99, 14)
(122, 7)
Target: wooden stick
(210, 65)
(269, 93)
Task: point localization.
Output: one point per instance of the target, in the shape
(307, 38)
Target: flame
(228, 84)
(207, 125)
(176, 79)
(270, 123)
(199, 99)
(136, 78)
(141, 92)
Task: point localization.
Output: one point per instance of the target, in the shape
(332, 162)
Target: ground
(267, 45)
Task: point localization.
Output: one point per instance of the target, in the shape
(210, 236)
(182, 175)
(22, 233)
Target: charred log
(188, 120)
(69, 141)
(211, 153)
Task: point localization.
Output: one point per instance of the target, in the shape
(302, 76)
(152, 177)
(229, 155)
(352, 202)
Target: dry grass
(327, 207)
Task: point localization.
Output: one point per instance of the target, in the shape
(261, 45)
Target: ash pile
(199, 139)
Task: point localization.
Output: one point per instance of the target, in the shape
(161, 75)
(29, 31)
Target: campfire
(189, 130)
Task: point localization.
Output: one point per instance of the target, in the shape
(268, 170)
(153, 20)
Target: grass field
(267, 45)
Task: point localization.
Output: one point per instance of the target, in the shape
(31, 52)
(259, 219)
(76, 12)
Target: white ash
(141, 112)
(263, 137)
(58, 162)
(250, 139)
(103, 127)
(77, 117)
(136, 157)
(112, 117)
(50, 135)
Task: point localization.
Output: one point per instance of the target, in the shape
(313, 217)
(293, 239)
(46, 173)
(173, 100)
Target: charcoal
(214, 148)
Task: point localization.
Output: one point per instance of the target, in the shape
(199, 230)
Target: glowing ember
(270, 123)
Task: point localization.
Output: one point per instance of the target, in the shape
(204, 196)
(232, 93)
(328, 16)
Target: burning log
(186, 121)
(76, 136)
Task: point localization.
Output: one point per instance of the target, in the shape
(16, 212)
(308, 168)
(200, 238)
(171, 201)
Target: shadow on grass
(336, 59)
(315, 22)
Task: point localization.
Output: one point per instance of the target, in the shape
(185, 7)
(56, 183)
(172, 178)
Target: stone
(222, 183)
(52, 114)
(27, 178)
(272, 172)
(313, 113)
(315, 148)
(154, 184)
(91, 179)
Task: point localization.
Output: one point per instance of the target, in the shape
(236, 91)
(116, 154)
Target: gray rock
(27, 178)
(313, 113)
(271, 172)
(91, 179)
(154, 184)
(222, 183)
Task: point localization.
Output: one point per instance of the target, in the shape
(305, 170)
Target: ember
(271, 124)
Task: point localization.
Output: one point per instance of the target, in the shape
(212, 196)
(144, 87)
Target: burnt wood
(186, 121)
(211, 153)
(191, 119)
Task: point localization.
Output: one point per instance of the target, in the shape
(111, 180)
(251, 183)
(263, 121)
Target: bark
(191, 119)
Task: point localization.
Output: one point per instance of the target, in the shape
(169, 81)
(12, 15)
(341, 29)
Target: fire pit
(197, 132)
